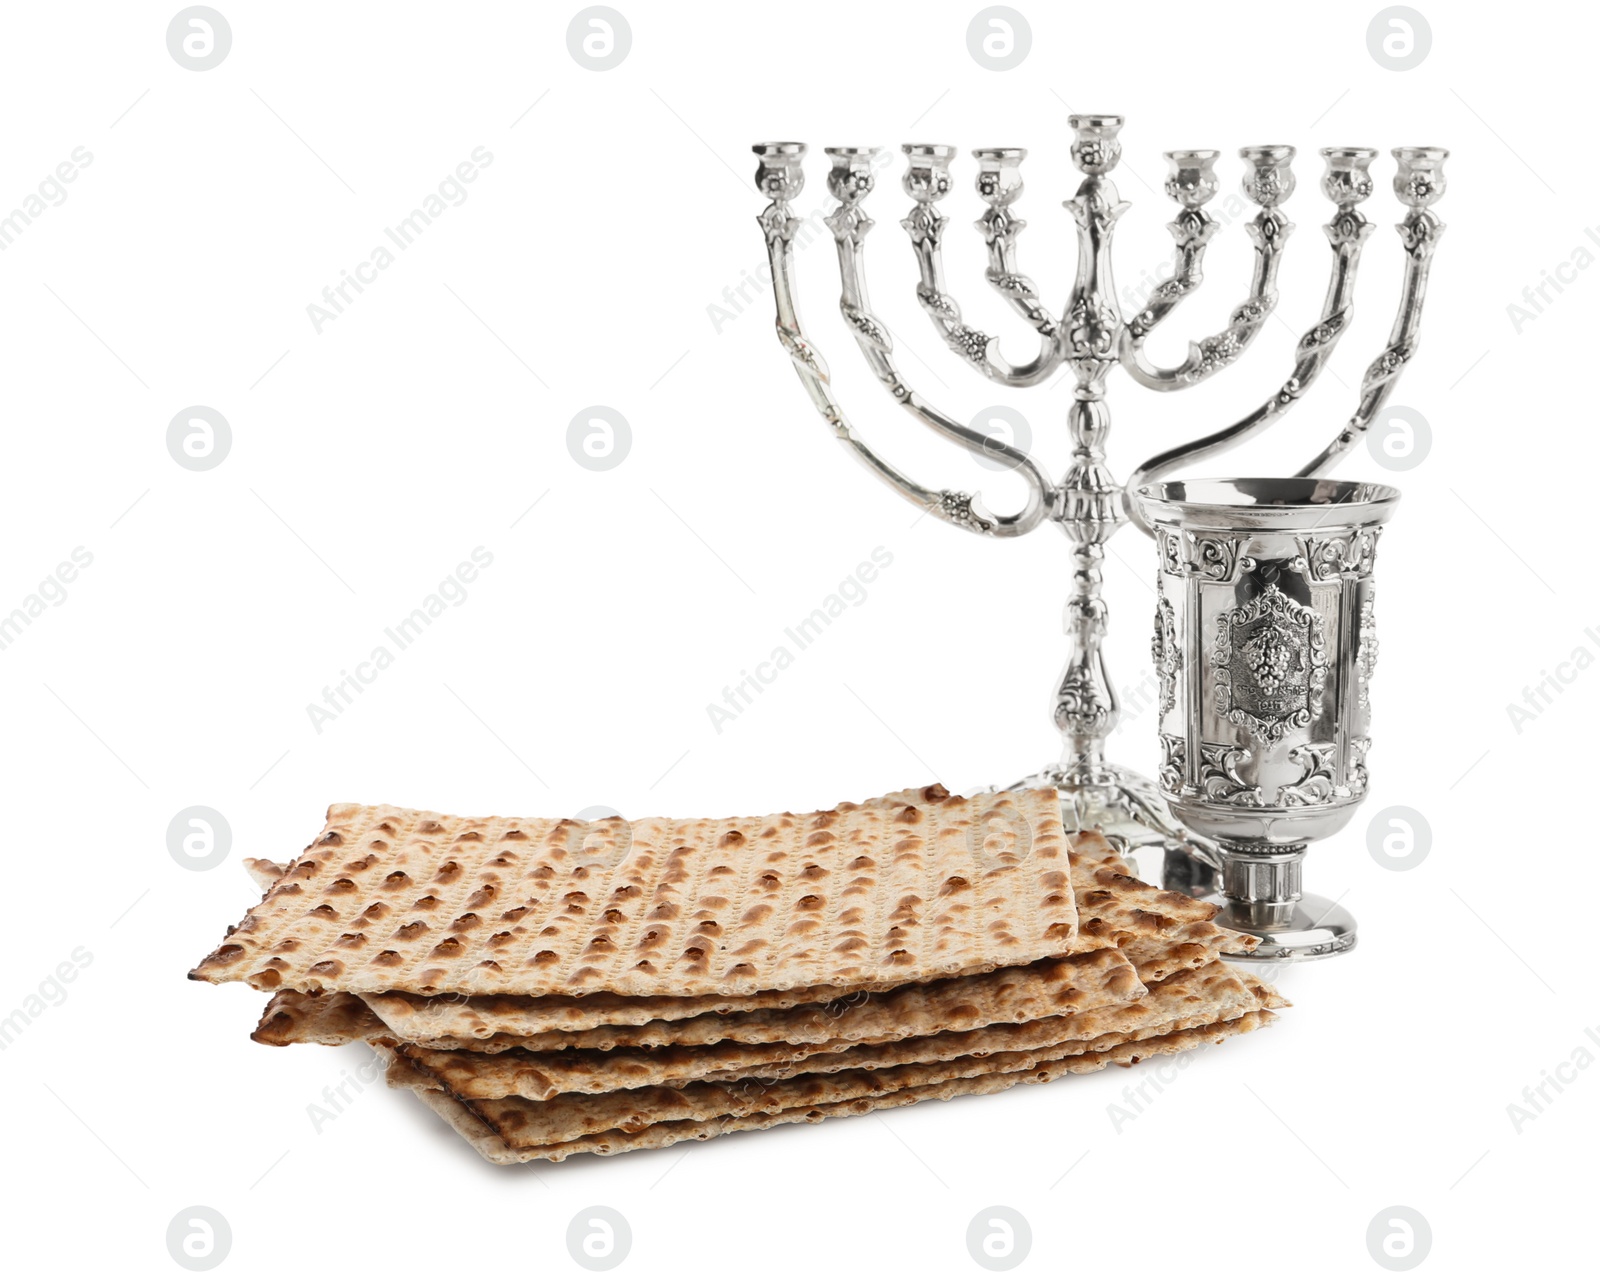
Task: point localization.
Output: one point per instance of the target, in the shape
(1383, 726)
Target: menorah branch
(780, 176)
(1192, 183)
(850, 181)
(927, 181)
(1347, 184)
(1418, 182)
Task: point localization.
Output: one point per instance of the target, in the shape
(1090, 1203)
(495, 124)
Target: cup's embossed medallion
(1269, 665)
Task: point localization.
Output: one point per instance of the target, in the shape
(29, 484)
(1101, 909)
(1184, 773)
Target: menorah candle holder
(1090, 337)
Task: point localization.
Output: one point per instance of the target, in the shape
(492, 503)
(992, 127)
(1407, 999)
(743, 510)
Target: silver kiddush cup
(1265, 648)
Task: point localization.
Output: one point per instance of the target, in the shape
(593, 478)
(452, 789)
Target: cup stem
(1258, 875)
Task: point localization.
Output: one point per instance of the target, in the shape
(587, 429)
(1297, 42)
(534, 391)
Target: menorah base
(1311, 927)
(1126, 807)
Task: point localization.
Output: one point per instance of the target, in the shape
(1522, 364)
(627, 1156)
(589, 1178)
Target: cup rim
(1268, 502)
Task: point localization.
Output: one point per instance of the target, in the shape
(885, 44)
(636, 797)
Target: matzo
(506, 1147)
(1192, 998)
(1051, 987)
(1159, 932)
(328, 1019)
(520, 1121)
(1116, 903)
(862, 896)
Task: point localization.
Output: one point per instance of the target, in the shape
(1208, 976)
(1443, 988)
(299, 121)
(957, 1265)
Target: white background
(368, 459)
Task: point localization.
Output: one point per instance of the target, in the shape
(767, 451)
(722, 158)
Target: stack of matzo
(560, 987)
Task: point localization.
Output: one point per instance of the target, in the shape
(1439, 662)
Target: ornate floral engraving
(967, 342)
(1316, 344)
(1366, 653)
(1357, 783)
(1328, 557)
(1216, 558)
(1269, 665)
(924, 224)
(1013, 286)
(801, 352)
(999, 223)
(1216, 352)
(1316, 783)
(849, 223)
(1092, 330)
(1348, 227)
(1220, 781)
(940, 305)
(1420, 230)
(777, 223)
(868, 325)
(1173, 762)
(1165, 654)
(1169, 550)
(957, 509)
(1080, 705)
(1096, 150)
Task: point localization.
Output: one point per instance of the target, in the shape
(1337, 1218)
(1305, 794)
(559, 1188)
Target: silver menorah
(1091, 338)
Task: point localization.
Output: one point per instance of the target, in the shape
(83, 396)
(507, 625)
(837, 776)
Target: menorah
(1091, 338)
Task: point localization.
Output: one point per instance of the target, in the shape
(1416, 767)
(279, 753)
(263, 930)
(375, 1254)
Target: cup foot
(1311, 928)
(1129, 810)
